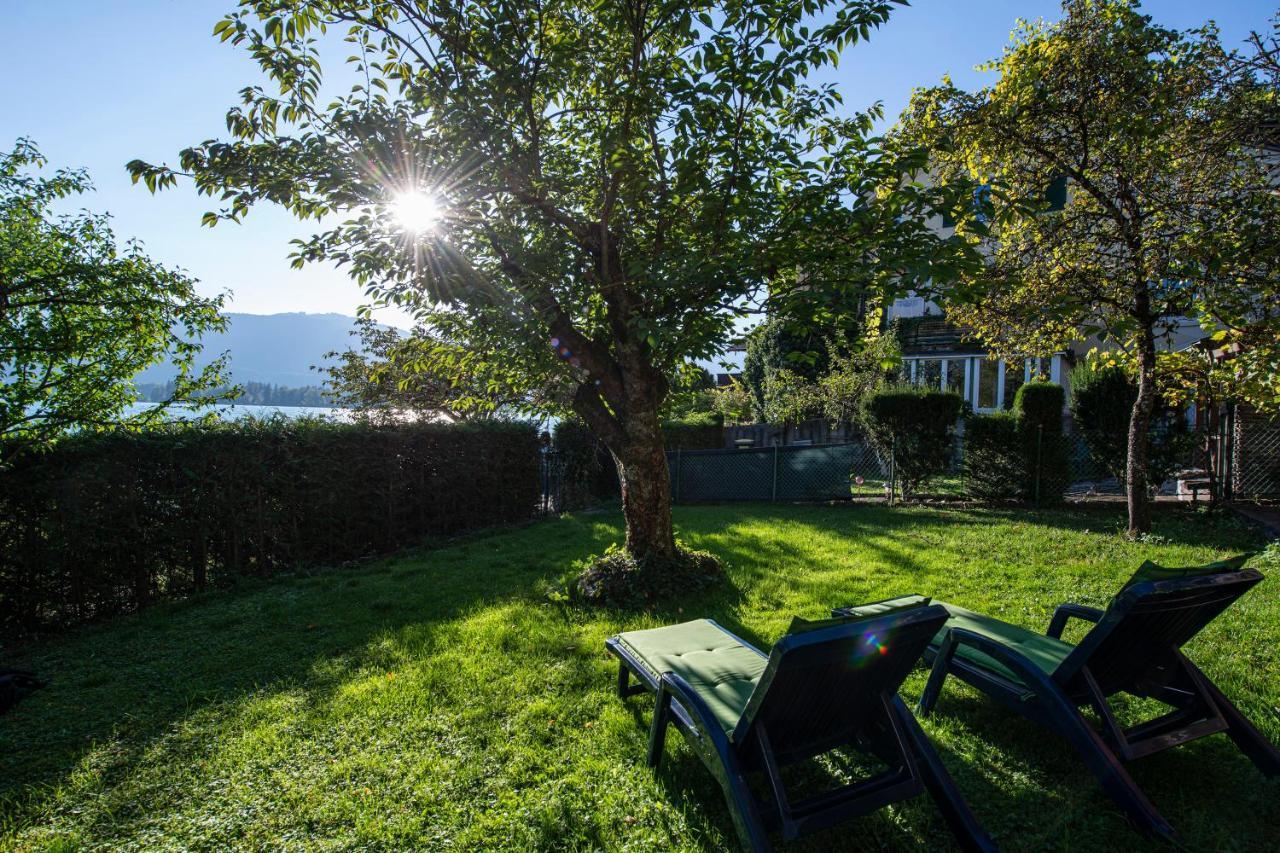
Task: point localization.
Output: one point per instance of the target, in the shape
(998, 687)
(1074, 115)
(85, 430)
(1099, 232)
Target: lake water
(237, 412)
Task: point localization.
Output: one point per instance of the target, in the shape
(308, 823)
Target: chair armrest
(1030, 674)
(1065, 612)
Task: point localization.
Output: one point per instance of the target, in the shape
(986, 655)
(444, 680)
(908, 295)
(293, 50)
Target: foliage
(106, 523)
(395, 377)
(783, 358)
(588, 471)
(994, 466)
(613, 194)
(733, 402)
(437, 699)
(696, 432)
(1039, 407)
(856, 374)
(693, 393)
(619, 579)
(81, 315)
(1102, 395)
(1141, 121)
(916, 428)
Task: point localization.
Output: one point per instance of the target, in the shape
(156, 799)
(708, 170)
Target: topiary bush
(617, 578)
(1038, 407)
(994, 466)
(917, 428)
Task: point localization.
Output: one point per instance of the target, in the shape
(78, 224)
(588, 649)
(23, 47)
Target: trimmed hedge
(993, 464)
(588, 472)
(1019, 455)
(1038, 406)
(697, 432)
(105, 524)
(917, 428)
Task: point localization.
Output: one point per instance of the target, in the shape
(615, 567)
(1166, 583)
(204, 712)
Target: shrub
(917, 428)
(1038, 407)
(703, 431)
(586, 466)
(994, 465)
(1102, 399)
(105, 523)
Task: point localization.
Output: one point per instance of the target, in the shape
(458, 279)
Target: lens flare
(417, 211)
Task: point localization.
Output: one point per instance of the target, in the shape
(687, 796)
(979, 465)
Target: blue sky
(99, 82)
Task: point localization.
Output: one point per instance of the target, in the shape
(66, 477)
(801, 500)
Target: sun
(417, 211)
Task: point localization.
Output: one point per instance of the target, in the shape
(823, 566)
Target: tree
(80, 315)
(1170, 212)
(608, 183)
(395, 376)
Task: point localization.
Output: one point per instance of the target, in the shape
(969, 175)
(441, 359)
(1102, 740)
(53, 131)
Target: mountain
(276, 349)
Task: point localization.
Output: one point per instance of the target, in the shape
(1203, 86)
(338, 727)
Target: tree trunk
(646, 499)
(1139, 431)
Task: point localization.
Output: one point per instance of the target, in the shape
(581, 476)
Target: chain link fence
(1255, 457)
(1242, 461)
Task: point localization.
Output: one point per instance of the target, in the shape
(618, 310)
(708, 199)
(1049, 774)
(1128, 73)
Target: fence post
(893, 467)
(679, 469)
(1039, 452)
(774, 492)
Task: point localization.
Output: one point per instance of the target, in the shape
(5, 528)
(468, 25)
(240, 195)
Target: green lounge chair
(836, 685)
(1134, 647)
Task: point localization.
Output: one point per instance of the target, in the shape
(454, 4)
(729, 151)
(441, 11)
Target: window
(929, 373)
(988, 383)
(955, 375)
(1015, 371)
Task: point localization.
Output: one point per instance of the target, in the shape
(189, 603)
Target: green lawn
(442, 699)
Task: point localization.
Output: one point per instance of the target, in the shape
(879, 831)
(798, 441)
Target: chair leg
(658, 732)
(960, 819)
(624, 676)
(1245, 734)
(743, 807)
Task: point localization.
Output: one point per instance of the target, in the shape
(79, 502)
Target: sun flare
(417, 211)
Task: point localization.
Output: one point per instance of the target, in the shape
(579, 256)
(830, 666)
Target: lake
(238, 412)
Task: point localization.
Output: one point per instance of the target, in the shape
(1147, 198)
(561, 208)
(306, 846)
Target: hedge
(993, 468)
(696, 432)
(588, 472)
(105, 524)
(916, 428)
(1038, 406)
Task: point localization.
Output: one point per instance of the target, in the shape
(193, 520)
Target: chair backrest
(1146, 623)
(820, 686)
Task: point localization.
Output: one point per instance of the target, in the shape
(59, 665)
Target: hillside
(274, 349)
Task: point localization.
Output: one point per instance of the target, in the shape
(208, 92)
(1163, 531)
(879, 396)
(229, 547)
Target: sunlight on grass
(440, 699)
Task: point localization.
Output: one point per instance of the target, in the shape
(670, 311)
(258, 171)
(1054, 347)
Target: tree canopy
(1168, 214)
(614, 182)
(81, 315)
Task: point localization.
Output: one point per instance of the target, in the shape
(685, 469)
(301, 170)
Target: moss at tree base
(617, 578)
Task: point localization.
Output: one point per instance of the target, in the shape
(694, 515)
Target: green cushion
(1045, 652)
(1149, 571)
(862, 611)
(720, 669)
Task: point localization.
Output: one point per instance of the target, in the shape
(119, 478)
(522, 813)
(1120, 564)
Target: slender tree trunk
(1139, 431)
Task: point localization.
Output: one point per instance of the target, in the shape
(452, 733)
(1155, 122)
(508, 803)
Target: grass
(442, 698)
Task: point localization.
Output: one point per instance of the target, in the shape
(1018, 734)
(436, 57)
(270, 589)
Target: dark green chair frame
(1134, 647)
(811, 699)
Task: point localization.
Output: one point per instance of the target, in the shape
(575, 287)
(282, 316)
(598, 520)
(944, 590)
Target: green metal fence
(815, 473)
